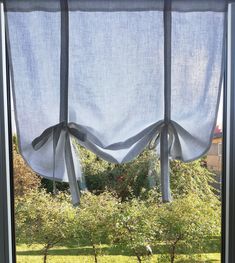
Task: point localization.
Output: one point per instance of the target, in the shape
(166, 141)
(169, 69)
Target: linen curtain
(119, 76)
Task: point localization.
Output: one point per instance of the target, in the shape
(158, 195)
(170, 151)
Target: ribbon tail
(56, 136)
(165, 169)
(175, 146)
(38, 142)
(78, 168)
(73, 184)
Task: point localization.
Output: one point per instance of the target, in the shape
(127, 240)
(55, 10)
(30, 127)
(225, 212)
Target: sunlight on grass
(72, 254)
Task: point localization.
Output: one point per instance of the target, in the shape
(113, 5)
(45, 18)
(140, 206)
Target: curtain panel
(117, 75)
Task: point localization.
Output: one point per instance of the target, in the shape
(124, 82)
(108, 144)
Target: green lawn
(73, 254)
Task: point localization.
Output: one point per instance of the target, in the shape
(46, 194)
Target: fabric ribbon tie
(170, 135)
(170, 144)
(174, 132)
(165, 135)
(54, 133)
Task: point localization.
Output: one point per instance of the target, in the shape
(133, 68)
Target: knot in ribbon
(55, 133)
(174, 146)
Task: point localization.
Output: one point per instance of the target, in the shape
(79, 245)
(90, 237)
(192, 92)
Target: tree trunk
(45, 253)
(45, 257)
(139, 258)
(173, 255)
(95, 253)
(173, 250)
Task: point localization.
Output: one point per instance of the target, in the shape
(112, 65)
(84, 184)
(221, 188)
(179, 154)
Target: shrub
(95, 219)
(188, 221)
(130, 179)
(134, 227)
(192, 177)
(24, 178)
(45, 219)
(127, 180)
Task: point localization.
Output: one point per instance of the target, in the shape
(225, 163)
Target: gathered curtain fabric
(116, 75)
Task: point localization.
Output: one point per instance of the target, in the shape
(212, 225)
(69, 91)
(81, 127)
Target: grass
(75, 254)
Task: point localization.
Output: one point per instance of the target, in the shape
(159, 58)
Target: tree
(45, 219)
(134, 227)
(127, 180)
(24, 178)
(187, 221)
(192, 177)
(94, 220)
(130, 179)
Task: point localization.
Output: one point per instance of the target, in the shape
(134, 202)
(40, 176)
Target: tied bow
(173, 138)
(166, 135)
(55, 133)
(171, 135)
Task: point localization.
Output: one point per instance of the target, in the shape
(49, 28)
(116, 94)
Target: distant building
(214, 155)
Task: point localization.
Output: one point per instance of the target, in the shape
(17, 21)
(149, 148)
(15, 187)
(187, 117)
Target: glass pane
(122, 218)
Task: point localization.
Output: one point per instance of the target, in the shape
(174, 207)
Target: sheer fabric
(115, 75)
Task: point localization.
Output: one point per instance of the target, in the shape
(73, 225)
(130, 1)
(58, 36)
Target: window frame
(7, 225)
(228, 164)
(7, 231)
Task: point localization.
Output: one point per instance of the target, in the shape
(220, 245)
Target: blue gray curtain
(117, 75)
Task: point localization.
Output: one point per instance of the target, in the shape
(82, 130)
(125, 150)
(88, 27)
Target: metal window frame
(7, 232)
(228, 159)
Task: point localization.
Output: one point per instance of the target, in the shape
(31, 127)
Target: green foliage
(45, 219)
(127, 180)
(24, 178)
(95, 219)
(133, 217)
(131, 179)
(134, 227)
(48, 185)
(192, 177)
(188, 221)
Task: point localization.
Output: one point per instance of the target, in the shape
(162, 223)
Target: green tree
(187, 222)
(95, 219)
(134, 227)
(130, 179)
(45, 219)
(192, 177)
(127, 180)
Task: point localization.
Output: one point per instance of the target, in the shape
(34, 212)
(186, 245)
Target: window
(6, 217)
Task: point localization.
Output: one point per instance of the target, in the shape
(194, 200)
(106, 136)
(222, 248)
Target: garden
(121, 217)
